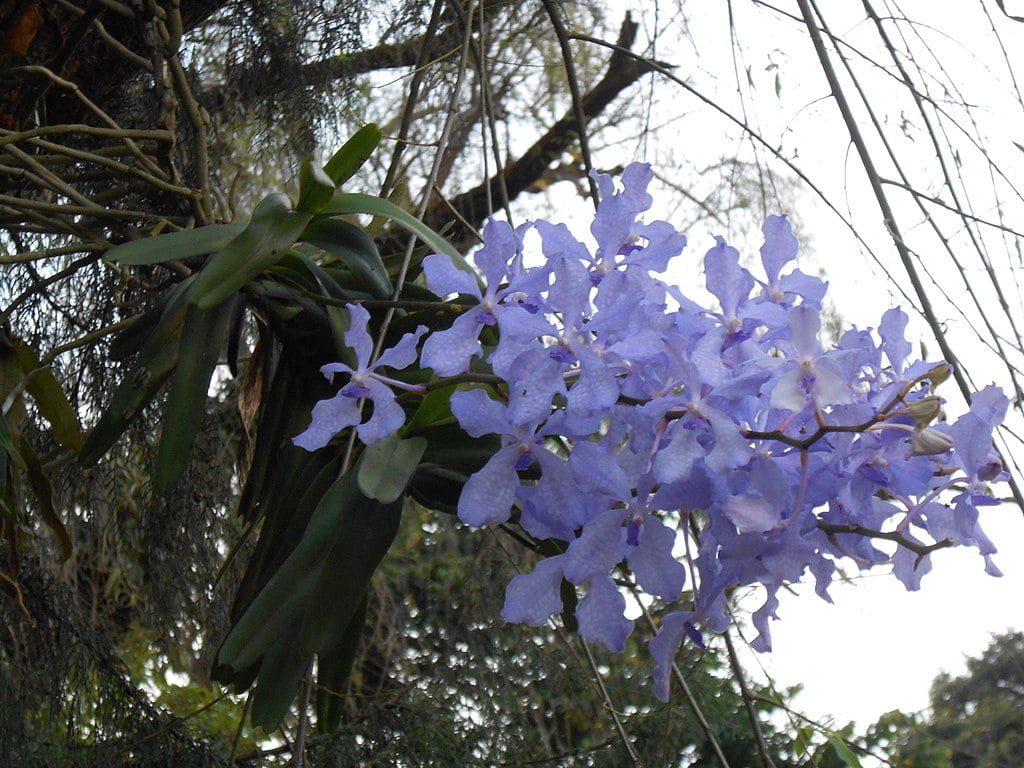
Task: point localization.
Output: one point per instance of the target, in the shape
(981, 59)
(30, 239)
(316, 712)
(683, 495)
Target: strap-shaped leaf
(53, 404)
(354, 248)
(269, 619)
(304, 478)
(334, 670)
(43, 491)
(309, 603)
(315, 187)
(273, 229)
(435, 410)
(175, 245)
(199, 351)
(354, 202)
(350, 158)
(276, 685)
(154, 366)
(367, 531)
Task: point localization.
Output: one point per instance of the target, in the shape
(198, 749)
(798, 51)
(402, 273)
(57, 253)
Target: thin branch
(690, 698)
(626, 742)
(624, 69)
(748, 702)
(888, 217)
(574, 90)
(412, 96)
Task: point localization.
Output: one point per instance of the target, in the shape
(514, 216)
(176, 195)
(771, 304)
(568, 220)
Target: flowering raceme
(683, 449)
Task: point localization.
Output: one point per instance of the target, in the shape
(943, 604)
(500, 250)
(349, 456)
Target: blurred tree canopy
(121, 120)
(974, 720)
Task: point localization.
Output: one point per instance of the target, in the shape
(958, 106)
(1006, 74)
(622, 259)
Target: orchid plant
(678, 449)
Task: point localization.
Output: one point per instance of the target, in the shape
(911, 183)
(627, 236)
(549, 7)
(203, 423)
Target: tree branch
(256, 82)
(519, 175)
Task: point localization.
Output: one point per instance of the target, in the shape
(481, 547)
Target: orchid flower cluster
(670, 446)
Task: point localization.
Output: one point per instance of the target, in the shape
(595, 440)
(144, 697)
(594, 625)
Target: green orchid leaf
(350, 158)
(334, 670)
(310, 601)
(273, 229)
(435, 410)
(367, 530)
(386, 466)
(49, 396)
(277, 685)
(315, 187)
(354, 248)
(156, 362)
(203, 337)
(175, 245)
(42, 489)
(352, 202)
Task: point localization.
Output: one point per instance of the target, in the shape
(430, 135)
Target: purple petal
(601, 617)
(635, 179)
(909, 568)
(663, 245)
(449, 352)
(805, 323)
(479, 414)
(387, 417)
(894, 344)
(329, 417)
(763, 642)
(533, 597)
(663, 648)
(779, 247)
(656, 569)
(330, 369)
(731, 449)
(403, 354)
(596, 390)
(530, 392)
(444, 278)
(357, 336)
(597, 549)
(500, 245)
(488, 495)
(811, 289)
(726, 279)
(750, 513)
(674, 461)
(594, 467)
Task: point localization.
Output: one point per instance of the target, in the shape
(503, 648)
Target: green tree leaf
(842, 750)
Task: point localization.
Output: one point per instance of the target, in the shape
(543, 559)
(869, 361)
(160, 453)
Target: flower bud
(929, 442)
(924, 411)
(939, 374)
